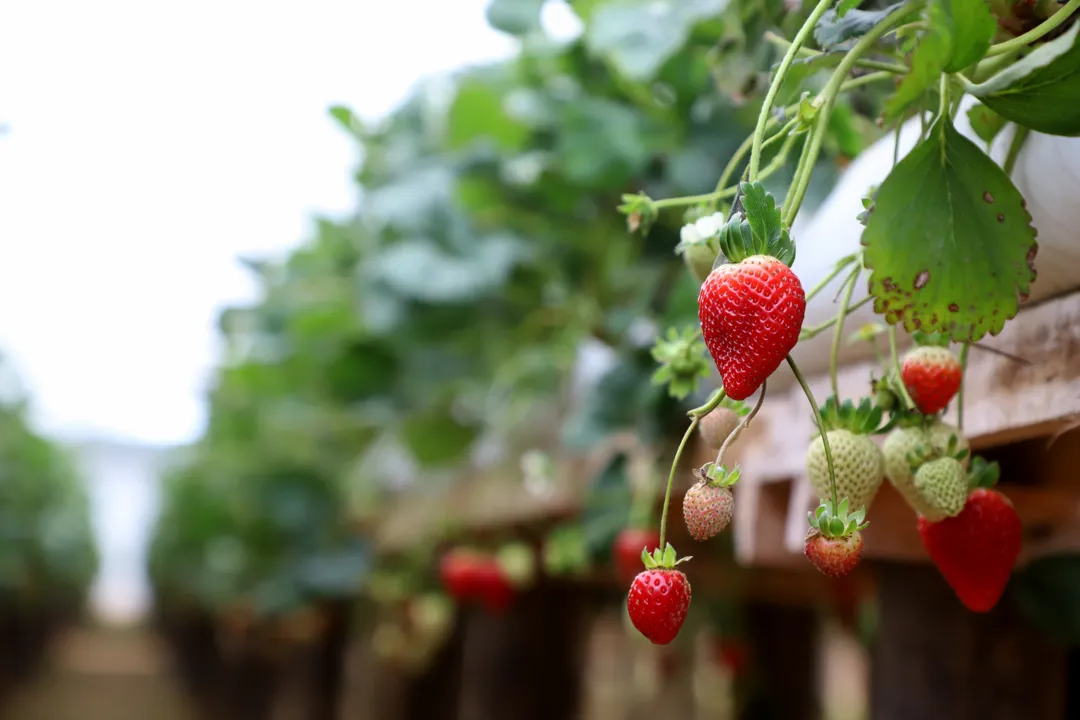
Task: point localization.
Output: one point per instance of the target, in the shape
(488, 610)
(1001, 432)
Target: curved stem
(830, 93)
(963, 383)
(841, 264)
(1018, 42)
(891, 68)
(713, 402)
(739, 428)
(820, 427)
(778, 80)
(808, 333)
(671, 480)
(834, 353)
(895, 359)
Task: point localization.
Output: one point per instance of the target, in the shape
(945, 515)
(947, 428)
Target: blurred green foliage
(485, 254)
(48, 557)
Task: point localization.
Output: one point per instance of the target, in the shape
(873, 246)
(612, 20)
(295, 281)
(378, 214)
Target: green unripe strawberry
(858, 462)
(906, 444)
(941, 488)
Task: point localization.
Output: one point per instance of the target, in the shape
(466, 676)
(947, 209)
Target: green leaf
(756, 229)
(438, 438)
(348, 120)
(478, 113)
(985, 122)
(836, 28)
(639, 36)
(1041, 91)
(949, 241)
(515, 17)
(846, 6)
(960, 31)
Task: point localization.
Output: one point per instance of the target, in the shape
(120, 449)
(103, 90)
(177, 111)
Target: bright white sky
(149, 144)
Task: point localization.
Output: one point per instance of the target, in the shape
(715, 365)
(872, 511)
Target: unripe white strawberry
(858, 462)
(906, 445)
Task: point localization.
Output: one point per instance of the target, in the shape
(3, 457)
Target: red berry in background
(976, 550)
(751, 313)
(732, 654)
(457, 570)
(658, 602)
(627, 548)
(493, 586)
(932, 376)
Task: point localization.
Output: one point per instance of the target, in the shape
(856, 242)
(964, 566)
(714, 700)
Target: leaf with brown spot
(942, 257)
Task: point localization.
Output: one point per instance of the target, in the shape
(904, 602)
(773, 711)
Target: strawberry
(932, 376)
(708, 505)
(751, 313)
(905, 445)
(627, 550)
(458, 573)
(659, 597)
(942, 488)
(976, 550)
(833, 542)
(493, 587)
(715, 427)
(751, 308)
(858, 463)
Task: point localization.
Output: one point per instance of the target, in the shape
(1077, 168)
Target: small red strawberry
(932, 376)
(659, 597)
(627, 550)
(708, 505)
(833, 542)
(731, 653)
(458, 573)
(493, 587)
(976, 550)
(751, 307)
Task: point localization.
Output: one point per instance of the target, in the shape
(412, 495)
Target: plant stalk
(820, 426)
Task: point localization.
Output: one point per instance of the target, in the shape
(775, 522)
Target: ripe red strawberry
(932, 376)
(751, 313)
(976, 550)
(732, 654)
(659, 597)
(833, 542)
(627, 550)
(709, 505)
(493, 587)
(458, 573)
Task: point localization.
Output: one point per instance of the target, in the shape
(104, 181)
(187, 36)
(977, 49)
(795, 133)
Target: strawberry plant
(948, 249)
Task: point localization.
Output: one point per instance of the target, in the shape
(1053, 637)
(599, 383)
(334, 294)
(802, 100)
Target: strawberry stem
(821, 427)
(963, 382)
(838, 333)
(739, 428)
(909, 404)
(778, 79)
(695, 417)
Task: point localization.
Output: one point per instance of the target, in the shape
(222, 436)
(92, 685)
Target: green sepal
(661, 559)
(983, 474)
(719, 475)
(861, 419)
(755, 228)
(683, 361)
(640, 212)
(837, 522)
(923, 453)
(930, 339)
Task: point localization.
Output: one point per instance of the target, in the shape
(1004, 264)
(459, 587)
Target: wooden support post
(934, 660)
(525, 664)
(785, 656)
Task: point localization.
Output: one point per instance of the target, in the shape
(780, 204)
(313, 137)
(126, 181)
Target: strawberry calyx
(754, 228)
(861, 419)
(935, 339)
(662, 559)
(983, 474)
(682, 361)
(715, 475)
(836, 523)
(924, 453)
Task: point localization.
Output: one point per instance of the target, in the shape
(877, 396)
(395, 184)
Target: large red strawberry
(751, 313)
(932, 376)
(627, 550)
(493, 587)
(659, 597)
(976, 550)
